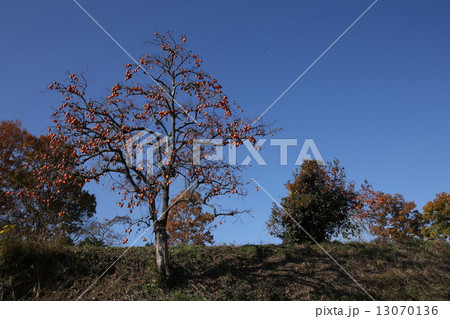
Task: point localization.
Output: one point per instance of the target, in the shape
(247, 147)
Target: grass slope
(416, 271)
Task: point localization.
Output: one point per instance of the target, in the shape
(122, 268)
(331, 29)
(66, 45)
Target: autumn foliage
(393, 218)
(188, 224)
(38, 210)
(436, 218)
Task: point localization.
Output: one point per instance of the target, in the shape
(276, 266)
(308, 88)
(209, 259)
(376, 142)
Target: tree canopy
(393, 218)
(436, 218)
(321, 201)
(39, 212)
(188, 224)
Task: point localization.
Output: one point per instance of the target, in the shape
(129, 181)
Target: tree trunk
(162, 252)
(161, 240)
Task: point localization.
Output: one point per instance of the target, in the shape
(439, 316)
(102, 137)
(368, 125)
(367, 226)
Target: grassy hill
(416, 271)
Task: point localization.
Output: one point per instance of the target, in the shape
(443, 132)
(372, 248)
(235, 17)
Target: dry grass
(416, 271)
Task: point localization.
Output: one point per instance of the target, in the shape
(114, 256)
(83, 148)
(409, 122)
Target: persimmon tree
(167, 102)
(436, 218)
(36, 211)
(322, 201)
(188, 224)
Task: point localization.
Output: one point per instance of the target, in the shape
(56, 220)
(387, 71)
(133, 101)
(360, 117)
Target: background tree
(396, 219)
(391, 217)
(103, 233)
(169, 100)
(188, 224)
(436, 218)
(38, 212)
(321, 200)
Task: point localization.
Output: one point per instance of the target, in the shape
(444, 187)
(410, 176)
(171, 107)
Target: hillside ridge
(388, 271)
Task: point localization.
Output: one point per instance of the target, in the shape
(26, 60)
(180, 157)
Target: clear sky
(379, 100)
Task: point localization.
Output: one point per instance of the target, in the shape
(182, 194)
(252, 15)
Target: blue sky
(378, 100)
